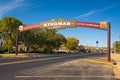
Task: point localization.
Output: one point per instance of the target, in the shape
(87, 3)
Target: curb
(14, 56)
(98, 61)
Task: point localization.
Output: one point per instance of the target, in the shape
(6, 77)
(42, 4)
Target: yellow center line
(97, 61)
(16, 62)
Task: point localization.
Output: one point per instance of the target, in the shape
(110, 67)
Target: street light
(114, 45)
(0, 42)
(119, 38)
(97, 44)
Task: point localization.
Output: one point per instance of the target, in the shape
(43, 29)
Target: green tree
(27, 38)
(42, 40)
(51, 40)
(39, 40)
(116, 46)
(8, 26)
(71, 43)
(54, 40)
(59, 39)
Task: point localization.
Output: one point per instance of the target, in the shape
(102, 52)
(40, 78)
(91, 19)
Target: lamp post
(96, 44)
(114, 44)
(0, 42)
(119, 38)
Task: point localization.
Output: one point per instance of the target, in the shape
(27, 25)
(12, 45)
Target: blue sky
(36, 11)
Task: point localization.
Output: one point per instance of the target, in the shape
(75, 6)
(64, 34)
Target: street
(56, 67)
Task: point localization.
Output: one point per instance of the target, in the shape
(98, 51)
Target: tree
(42, 40)
(59, 39)
(39, 40)
(8, 26)
(52, 39)
(27, 38)
(71, 43)
(116, 46)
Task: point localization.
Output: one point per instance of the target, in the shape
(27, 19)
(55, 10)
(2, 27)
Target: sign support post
(109, 42)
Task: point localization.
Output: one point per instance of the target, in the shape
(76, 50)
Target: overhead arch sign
(61, 24)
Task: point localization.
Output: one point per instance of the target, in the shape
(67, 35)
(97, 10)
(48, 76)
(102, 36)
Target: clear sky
(36, 11)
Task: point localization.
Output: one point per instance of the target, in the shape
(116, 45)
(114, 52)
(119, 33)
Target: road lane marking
(97, 61)
(75, 69)
(58, 76)
(16, 62)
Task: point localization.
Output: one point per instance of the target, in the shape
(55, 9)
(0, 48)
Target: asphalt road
(55, 67)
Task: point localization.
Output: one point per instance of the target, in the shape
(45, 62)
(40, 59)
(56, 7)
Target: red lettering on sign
(88, 24)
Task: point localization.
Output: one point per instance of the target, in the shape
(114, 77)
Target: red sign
(30, 27)
(88, 24)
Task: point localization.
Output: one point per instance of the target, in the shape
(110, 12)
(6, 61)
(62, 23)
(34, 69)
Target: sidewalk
(116, 57)
(116, 67)
(14, 56)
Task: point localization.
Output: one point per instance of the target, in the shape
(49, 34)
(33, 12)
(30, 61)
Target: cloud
(94, 12)
(106, 8)
(4, 9)
(86, 14)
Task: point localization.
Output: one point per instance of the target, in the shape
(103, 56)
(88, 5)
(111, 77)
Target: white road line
(77, 69)
(58, 76)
